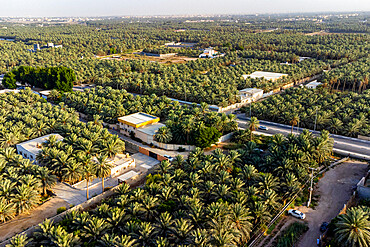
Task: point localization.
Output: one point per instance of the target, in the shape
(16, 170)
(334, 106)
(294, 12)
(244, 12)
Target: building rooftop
(313, 83)
(127, 176)
(151, 129)
(45, 92)
(266, 75)
(117, 160)
(34, 146)
(251, 90)
(138, 119)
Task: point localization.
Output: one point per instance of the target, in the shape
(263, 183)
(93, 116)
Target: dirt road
(335, 189)
(36, 216)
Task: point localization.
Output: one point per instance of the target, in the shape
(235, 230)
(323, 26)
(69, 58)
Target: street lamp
(314, 129)
(311, 189)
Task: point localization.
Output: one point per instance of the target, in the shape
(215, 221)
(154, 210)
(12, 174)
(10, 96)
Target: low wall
(225, 137)
(366, 138)
(173, 147)
(85, 205)
(362, 190)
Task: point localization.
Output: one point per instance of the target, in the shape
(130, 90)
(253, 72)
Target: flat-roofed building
(119, 163)
(131, 123)
(146, 133)
(313, 84)
(250, 94)
(31, 148)
(271, 76)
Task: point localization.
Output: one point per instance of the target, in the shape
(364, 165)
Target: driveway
(35, 217)
(335, 189)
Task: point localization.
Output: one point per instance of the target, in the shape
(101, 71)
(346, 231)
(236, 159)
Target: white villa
(119, 163)
(248, 95)
(31, 148)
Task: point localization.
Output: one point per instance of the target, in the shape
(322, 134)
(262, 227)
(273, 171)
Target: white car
(297, 214)
(170, 159)
(263, 127)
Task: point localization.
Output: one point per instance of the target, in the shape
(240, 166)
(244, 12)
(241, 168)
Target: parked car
(263, 127)
(169, 158)
(297, 214)
(324, 226)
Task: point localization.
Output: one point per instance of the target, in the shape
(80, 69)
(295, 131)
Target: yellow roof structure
(138, 119)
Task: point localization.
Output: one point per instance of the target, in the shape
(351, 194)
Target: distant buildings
(248, 95)
(36, 47)
(31, 148)
(210, 53)
(271, 76)
(179, 45)
(313, 84)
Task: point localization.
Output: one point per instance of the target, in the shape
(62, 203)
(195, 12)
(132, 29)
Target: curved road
(342, 144)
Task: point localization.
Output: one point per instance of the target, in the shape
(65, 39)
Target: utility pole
(314, 129)
(311, 189)
(250, 109)
(185, 92)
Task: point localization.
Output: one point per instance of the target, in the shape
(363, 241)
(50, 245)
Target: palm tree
(73, 172)
(94, 228)
(20, 240)
(89, 173)
(47, 179)
(103, 169)
(294, 122)
(7, 210)
(353, 228)
(25, 198)
(252, 126)
(163, 135)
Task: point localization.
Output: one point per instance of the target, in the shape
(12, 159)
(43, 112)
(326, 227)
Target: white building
(250, 94)
(267, 75)
(313, 84)
(119, 163)
(31, 148)
(210, 53)
(143, 125)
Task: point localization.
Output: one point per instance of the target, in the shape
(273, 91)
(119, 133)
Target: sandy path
(36, 216)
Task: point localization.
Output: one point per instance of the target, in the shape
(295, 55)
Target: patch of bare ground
(35, 217)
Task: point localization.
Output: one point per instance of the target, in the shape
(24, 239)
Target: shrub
(61, 210)
(291, 234)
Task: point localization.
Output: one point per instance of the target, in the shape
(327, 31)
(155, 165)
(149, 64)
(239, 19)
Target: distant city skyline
(84, 8)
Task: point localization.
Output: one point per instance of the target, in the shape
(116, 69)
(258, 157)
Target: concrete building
(210, 53)
(313, 84)
(143, 125)
(119, 163)
(31, 148)
(131, 123)
(271, 76)
(250, 94)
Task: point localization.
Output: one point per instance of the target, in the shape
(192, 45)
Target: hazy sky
(172, 7)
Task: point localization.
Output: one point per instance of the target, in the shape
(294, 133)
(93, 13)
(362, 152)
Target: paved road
(335, 189)
(343, 143)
